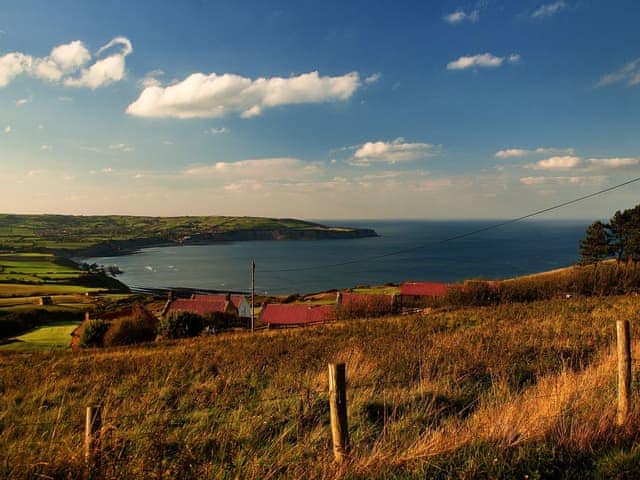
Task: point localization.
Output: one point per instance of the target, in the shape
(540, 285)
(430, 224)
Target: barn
(278, 315)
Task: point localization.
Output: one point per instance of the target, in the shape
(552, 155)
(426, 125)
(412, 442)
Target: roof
(424, 289)
(235, 299)
(296, 314)
(199, 306)
(349, 299)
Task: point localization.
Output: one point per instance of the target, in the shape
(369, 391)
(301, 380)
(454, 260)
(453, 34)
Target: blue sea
(508, 251)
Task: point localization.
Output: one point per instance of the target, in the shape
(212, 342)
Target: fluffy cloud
(482, 60)
(213, 95)
(549, 9)
(107, 70)
(628, 73)
(460, 16)
(568, 162)
(521, 152)
(71, 56)
(392, 152)
(67, 60)
(558, 163)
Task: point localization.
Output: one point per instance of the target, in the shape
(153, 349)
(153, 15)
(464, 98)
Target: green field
(66, 232)
(47, 337)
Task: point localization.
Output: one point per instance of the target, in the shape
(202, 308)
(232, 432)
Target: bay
(301, 266)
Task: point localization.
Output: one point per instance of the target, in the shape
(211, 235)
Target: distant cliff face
(124, 247)
(286, 234)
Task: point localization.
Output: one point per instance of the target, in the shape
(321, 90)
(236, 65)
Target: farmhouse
(203, 305)
(238, 301)
(295, 315)
(350, 304)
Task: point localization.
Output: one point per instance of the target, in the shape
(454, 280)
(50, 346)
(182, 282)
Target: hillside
(112, 234)
(511, 391)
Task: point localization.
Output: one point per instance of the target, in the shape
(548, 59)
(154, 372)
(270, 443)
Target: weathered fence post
(338, 410)
(93, 425)
(624, 370)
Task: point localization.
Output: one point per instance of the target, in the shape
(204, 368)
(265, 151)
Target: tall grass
(490, 392)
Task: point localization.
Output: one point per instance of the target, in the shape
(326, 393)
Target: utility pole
(253, 293)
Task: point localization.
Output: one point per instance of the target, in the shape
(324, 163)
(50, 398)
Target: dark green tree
(596, 245)
(625, 234)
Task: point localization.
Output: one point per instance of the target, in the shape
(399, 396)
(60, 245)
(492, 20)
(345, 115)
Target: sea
(439, 251)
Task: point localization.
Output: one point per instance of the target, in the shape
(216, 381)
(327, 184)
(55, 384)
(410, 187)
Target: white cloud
(22, 101)
(66, 60)
(460, 16)
(521, 152)
(107, 70)
(482, 60)
(7, 129)
(392, 152)
(565, 162)
(614, 162)
(71, 56)
(121, 147)
(549, 9)
(216, 131)
(628, 73)
(267, 169)
(214, 96)
(373, 78)
(12, 65)
(574, 180)
(46, 147)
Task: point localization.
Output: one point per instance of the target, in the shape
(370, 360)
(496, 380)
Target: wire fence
(114, 432)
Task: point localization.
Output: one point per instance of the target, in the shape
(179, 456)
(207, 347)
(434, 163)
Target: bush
(129, 330)
(94, 333)
(181, 325)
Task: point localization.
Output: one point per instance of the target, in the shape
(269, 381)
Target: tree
(597, 243)
(625, 234)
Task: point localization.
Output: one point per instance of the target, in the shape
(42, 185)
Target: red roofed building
(423, 289)
(239, 301)
(202, 305)
(277, 315)
(353, 305)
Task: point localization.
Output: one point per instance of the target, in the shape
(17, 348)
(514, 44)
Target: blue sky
(485, 109)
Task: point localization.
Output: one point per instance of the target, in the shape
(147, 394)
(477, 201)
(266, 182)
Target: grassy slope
(46, 337)
(499, 392)
(31, 232)
(35, 274)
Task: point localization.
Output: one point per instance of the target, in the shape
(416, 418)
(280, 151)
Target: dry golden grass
(494, 392)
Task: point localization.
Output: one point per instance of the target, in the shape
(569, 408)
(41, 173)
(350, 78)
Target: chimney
(170, 295)
(228, 297)
(339, 298)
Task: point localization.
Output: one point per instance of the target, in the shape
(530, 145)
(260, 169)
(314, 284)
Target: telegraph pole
(253, 293)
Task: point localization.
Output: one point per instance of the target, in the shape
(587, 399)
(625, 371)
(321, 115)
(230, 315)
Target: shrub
(181, 325)
(94, 333)
(129, 330)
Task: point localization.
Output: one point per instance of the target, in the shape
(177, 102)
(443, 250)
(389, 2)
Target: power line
(455, 237)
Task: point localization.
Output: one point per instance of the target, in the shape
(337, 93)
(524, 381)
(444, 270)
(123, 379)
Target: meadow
(67, 233)
(506, 391)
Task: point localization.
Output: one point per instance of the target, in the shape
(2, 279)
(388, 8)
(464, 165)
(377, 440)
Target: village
(226, 312)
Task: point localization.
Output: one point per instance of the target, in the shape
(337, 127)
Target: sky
(339, 110)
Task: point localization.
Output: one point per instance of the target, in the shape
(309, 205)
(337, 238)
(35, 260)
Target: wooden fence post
(338, 410)
(93, 425)
(624, 370)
